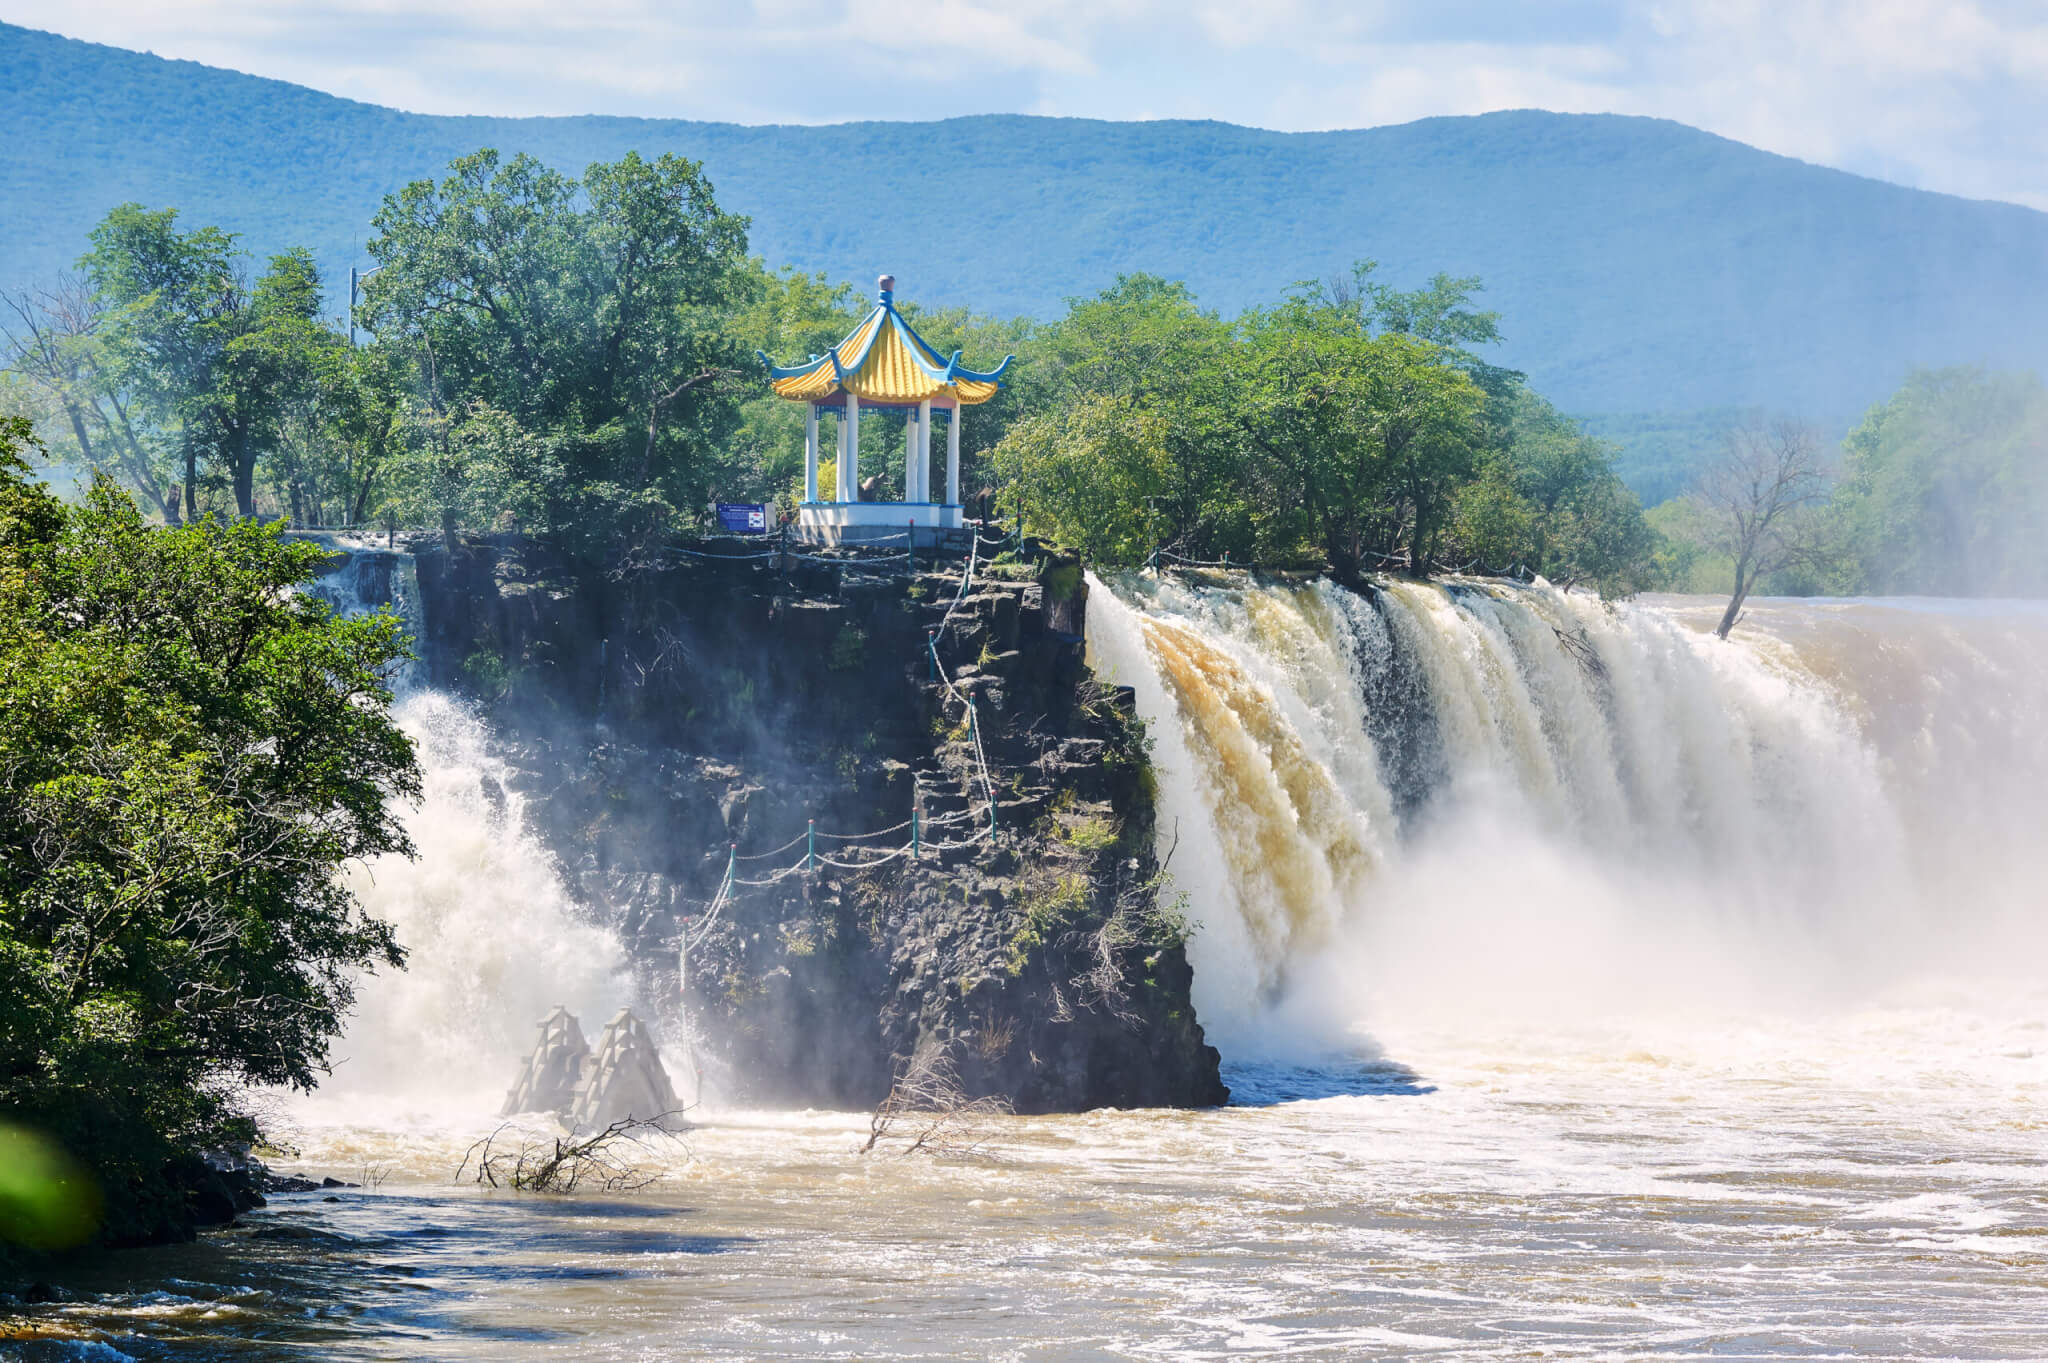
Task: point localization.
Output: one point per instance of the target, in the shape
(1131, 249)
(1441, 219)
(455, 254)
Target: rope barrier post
(811, 848)
(974, 730)
(931, 644)
(916, 845)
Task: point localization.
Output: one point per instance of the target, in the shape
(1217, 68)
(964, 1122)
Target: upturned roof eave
(945, 374)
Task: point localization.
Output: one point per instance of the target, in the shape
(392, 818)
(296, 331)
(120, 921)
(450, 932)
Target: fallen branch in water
(1580, 646)
(929, 1112)
(560, 1164)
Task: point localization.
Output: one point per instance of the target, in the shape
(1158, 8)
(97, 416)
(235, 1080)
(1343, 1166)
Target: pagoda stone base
(930, 524)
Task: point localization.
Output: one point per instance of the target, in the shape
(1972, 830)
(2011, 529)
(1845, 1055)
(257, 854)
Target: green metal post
(916, 846)
(811, 847)
(931, 644)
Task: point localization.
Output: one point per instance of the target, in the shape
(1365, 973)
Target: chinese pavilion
(883, 366)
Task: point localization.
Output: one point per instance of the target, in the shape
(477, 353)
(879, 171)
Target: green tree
(477, 466)
(215, 360)
(1348, 425)
(283, 381)
(1374, 433)
(193, 750)
(1144, 343)
(1091, 474)
(1582, 521)
(790, 315)
(56, 339)
(368, 394)
(1440, 313)
(596, 313)
(1944, 488)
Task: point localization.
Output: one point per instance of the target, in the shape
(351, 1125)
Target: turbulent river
(1589, 987)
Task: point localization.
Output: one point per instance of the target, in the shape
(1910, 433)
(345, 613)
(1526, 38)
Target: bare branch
(1760, 494)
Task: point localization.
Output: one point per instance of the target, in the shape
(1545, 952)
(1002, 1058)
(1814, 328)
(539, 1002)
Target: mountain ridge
(1640, 265)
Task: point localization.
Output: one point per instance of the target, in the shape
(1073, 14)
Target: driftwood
(1579, 644)
(561, 1164)
(928, 1113)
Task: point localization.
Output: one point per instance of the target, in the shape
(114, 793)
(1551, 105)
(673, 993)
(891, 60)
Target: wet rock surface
(668, 716)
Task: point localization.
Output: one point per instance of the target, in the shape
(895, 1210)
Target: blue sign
(742, 518)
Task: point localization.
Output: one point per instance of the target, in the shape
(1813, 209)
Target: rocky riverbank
(679, 720)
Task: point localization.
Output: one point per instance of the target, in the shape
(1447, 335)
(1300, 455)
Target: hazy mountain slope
(1642, 266)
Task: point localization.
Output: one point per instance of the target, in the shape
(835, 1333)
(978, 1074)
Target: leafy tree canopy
(596, 314)
(214, 361)
(193, 749)
(1944, 488)
(1351, 424)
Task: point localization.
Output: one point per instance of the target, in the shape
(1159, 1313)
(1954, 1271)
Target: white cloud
(1947, 94)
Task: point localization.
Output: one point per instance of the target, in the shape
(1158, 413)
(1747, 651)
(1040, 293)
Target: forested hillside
(1640, 267)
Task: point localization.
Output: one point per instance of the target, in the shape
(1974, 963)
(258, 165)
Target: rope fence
(854, 853)
(852, 554)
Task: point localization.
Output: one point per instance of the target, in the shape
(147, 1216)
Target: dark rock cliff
(674, 719)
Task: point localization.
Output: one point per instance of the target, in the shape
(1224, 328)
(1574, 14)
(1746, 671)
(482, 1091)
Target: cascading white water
(492, 937)
(1634, 917)
(1472, 797)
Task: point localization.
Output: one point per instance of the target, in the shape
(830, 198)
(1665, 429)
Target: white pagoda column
(839, 475)
(849, 458)
(924, 450)
(953, 456)
(910, 455)
(811, 452)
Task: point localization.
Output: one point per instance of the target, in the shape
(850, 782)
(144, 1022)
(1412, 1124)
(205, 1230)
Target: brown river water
(1697, 1010)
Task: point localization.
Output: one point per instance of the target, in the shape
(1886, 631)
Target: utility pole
(355, 291)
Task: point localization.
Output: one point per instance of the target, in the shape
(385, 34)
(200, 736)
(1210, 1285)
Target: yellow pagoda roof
(884, 361)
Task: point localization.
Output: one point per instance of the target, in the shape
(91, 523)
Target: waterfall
(1477, 797)
(493, 938)
(362, 578)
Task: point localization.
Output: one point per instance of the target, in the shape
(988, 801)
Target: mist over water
(492, 939)
(1476, 805)
(492, 936)
(1589, 987)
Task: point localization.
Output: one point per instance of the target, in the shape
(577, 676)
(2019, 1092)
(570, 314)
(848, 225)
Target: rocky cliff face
(678, 720)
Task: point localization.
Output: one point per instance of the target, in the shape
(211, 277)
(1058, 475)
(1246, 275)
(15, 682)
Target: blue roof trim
(919, 351)
(776, 371)
(873, 336)
(947, 371)
(917, 342)
(791, 371)
(928, 358)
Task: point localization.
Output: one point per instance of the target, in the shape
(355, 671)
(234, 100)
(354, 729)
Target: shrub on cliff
(192, 749)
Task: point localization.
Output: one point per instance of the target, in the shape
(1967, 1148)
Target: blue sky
(1942, 94)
